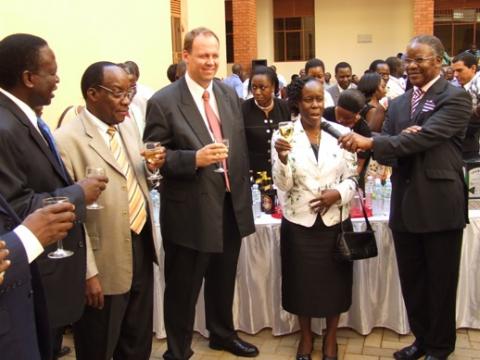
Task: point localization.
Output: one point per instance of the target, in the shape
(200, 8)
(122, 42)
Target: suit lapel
(35, 134)
(7, 210)
(97, 143)
(191, 114)
(224, 110)
(430, 95)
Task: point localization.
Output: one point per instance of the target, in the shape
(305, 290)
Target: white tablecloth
(377, 299)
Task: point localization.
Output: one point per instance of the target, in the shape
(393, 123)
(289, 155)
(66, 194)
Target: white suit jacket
(303, 177)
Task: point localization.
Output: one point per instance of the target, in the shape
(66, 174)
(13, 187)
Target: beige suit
(81, 145)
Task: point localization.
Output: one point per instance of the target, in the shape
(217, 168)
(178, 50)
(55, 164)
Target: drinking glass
(286, 130)
(94, 171)
(60, 253)
(150, 154)
(220, 168)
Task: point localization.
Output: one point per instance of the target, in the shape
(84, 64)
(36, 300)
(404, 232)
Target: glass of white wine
(220, 168)
(90, 172)
(60, 253)
(286, 130)
(150, 156)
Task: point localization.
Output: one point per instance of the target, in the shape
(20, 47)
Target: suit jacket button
(80, 244)
(407, 181)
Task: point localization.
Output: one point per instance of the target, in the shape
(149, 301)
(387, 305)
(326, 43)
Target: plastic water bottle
(377, 198)
(387, 194)
(256, 201)
(369, 184)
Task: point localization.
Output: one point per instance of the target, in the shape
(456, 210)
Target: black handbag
(353, 245)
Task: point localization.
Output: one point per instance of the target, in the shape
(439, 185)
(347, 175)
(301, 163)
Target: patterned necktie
(216, 128)
(136, 202)
(47, 135)
(416, 97)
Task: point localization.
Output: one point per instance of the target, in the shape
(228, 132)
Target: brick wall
(423, 16)
(244, 31)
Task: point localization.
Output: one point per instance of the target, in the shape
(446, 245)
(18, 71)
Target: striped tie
(416, 97)
(136, 202)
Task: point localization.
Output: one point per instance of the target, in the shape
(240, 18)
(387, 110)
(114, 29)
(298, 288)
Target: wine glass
(60, 253)
(150, 156)
(94, 171)
(220, 168)
(286, 130)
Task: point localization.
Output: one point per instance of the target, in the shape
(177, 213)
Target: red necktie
(216, 129)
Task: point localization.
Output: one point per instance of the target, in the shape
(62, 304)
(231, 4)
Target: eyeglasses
(119, 94)
(417, 61)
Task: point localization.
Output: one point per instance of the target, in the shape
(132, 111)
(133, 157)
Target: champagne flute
(286, 130)
(94, 171)
(220, 168)
(150, 156)
(60, 253)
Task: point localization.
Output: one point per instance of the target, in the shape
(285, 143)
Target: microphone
(330, 129)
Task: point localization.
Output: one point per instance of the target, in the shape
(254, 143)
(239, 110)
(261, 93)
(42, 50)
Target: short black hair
(294, 91)
(172, 72)
(313, 63)
(394, 64)
(132, 68)
(468, 59)
(352, 100)
(18, 52)
(268, 72)
(342, 65)
(374, 64)
(93, 76)
(369, 83)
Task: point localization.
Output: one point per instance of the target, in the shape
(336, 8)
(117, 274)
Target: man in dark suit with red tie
(32, 169)
(422, 139)
(204, 213)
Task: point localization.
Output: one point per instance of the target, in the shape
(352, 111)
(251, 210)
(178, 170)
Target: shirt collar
(469, 84)
(195, 88)
(27, 110)
(428, 85)
(99, 124)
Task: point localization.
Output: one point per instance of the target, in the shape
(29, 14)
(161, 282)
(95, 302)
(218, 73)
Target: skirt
(314, 284)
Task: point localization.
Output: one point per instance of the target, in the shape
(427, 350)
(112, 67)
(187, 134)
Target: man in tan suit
(117, 321)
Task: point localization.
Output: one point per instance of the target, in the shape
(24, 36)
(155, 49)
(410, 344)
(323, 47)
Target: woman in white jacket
(316, 178)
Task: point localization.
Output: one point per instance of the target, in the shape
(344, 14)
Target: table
(376, 301)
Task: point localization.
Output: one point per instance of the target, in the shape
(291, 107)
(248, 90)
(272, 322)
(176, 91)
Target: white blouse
(303, 177)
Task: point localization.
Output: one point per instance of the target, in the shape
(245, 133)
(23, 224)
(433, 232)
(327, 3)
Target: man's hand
(282, 147)
(211, 154)
(354, 142)
(94, 293)
(155, 159)
(93, 187)
(4, 263)
(51, 223)
(412, 129)
(326, 199)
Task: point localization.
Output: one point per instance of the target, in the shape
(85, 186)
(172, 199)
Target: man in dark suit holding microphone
(422, 139)
(204, 213)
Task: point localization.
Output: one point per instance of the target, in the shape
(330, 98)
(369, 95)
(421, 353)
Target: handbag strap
(369, 227)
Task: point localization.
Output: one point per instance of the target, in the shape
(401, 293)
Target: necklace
(314, 138)
(265, 109)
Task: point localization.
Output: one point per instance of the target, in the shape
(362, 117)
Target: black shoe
(235, 345)
(431, 357)
(411, 352)
(63, 352)
(303, 357)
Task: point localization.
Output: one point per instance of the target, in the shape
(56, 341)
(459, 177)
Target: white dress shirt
(303, 177)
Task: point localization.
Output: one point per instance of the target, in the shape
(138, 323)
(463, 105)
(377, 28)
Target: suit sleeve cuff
(30, 242)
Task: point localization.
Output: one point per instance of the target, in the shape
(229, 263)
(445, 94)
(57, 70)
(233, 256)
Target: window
(294, 38)
(457, 28)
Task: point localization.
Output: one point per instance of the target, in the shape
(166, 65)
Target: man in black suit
(24, 332)
(32, 169)
(422, 139)
(204, 214)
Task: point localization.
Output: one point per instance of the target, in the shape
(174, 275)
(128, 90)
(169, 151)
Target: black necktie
(47, 135)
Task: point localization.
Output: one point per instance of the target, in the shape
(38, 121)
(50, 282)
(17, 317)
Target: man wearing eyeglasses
(117, 321)
(422, 139)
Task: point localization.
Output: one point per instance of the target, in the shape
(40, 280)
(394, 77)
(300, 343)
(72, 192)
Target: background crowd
(209, 138)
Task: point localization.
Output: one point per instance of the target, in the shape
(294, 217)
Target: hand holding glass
(286, 130)
(220, 168)
(151, 149)
(60, 253)
(94, 171)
